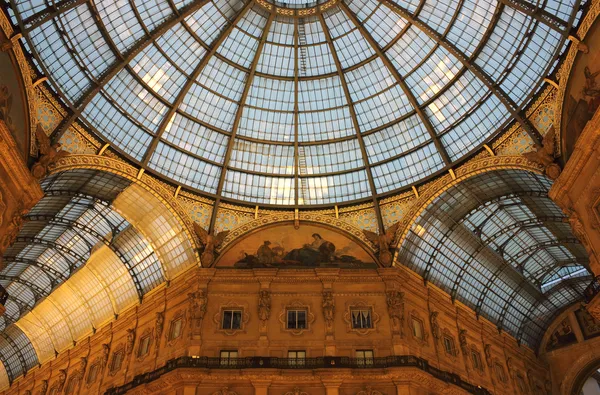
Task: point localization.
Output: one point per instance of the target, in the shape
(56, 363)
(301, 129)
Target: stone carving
(6, 106)
(395, 303)
(369, 391)
(49, 154)
(578, 229)
(44, 387)
(487, 350)
(2, 208)
(13, 229)
(384, 243)
(130, 341)
(544, 155)
(264, 306)
(62, 377)
(82, 365)
(210, 243)
(462, 339)
(198, 302)
(435, 326)
(159, 324)
(225, 391)
(328, 309)
(296, 391)
(105, 354)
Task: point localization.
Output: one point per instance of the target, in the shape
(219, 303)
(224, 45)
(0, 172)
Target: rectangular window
(144, 346)
(232, 319)
(476, 358)
(449, 345)
(361, 318)
(417, 328)
(117, 361)
(296, 319)
(93, 373)
(175, 329)
(364, 357)
(296, 358)
(228, 357)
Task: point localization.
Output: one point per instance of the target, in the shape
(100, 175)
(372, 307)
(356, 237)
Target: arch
(113, 166)
(490, 239)
(473, 168)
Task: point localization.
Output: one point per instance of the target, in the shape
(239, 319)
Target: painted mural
(283, 246)
(562, 336)
(589, 326)
(582, 97)
(12, 103)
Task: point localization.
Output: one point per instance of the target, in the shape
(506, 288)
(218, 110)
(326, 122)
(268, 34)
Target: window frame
(228, 359)
(366, 361)
(146, 340)
(422, 328)
(296, 311)
(113, 361)
(296, 360)
(360, 309)
(94, 368)
(232, 320)
(175, 321)
(452, 351)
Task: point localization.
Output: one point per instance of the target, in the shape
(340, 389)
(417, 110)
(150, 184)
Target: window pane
(227, 319)
(237, 320)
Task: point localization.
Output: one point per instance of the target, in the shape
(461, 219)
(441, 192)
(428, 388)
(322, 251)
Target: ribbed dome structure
(296, 104)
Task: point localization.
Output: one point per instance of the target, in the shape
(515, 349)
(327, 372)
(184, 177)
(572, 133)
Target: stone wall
(395, 296)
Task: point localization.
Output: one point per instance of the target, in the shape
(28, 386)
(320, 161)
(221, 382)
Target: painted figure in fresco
(265, 254)
(562, 336)
(319, 250)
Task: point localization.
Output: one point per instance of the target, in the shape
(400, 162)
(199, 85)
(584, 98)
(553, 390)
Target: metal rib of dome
(348, 100)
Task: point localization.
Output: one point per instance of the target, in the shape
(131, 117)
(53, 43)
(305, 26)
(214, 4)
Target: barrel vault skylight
(291, 103)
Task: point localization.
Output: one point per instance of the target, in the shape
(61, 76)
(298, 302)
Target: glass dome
(307, 104)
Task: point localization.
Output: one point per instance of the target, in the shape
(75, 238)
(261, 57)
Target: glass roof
(345, 101)
(500, 245)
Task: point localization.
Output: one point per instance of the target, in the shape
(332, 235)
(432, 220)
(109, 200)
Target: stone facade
(184, 319)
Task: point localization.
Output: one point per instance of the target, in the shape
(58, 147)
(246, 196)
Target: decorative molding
(179, 314)
(360, 304)
(296, 391)
(471, 169)
(118, 167)
(564, 72)
(217, 318)
(395, 305)
(369, 391)
(224, 391)
(298, 305)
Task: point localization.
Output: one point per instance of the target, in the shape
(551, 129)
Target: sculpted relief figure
(328, 309)
(210, 243)
(395, 303)
(49, 154)
(544, 155)
(159, 323)
(198, 303)
(264, 305)
(130, 341)
(384, 242)
(105, 354)
(435, 327)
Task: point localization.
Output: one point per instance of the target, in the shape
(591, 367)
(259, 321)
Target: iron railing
(592, 289)
(296, 363)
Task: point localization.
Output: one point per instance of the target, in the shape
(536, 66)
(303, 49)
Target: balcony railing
(295, 363)
(592, 289)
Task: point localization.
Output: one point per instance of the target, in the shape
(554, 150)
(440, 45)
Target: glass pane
(237, 320)
(227, 319)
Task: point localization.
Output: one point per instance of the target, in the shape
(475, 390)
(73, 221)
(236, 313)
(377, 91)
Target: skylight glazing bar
(355, 123)
(189, 83)
(467, 62)
(411, 98)
(238, 116)
(39, 18)
(118, 66)
(538, 14)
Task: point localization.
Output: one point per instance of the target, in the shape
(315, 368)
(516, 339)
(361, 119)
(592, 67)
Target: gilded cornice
(470, 169)
(564, 72)
(27, 74)
(131, 173)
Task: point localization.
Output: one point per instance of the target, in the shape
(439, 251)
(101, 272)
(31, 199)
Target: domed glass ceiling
(345, 101)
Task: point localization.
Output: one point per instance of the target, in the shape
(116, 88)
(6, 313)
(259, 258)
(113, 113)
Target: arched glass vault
(497, 243)
(93, 246)
(351, 102)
